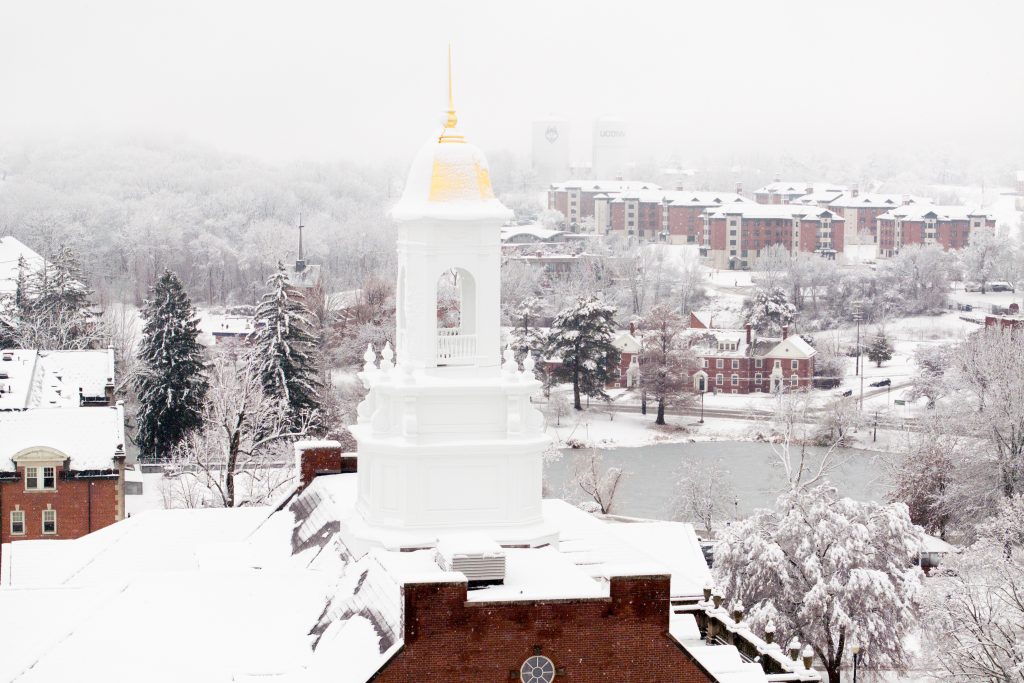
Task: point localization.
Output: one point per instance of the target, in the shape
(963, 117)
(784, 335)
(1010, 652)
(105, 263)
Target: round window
(537, 669)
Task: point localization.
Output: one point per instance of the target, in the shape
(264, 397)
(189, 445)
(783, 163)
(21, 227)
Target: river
(652, 473)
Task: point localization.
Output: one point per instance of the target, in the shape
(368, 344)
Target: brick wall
(322, 460)
(685, 224)
(621, 639)
(82, 505)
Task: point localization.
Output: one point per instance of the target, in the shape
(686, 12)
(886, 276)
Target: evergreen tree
(171, 384)
(526, 335)
(52, 305)
(880, 349)
(285, 349)
(581, 336)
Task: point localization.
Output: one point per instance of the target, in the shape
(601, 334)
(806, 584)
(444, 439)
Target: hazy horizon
(365, 83)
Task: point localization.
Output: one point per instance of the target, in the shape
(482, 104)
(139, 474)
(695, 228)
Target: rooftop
(90, 437)
(605, 185)
(53, 379)
(917, 212)
(770, 211)
(11, 249)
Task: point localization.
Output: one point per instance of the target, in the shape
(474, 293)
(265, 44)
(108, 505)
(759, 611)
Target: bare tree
(805, 459)
(241, 455)
(599, 483)
(666, 359)
(704, 494)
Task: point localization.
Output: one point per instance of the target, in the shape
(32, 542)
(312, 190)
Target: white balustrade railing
(455, 348)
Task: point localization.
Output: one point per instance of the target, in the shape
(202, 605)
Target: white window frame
(719, 379)
(794, 365)
(758, 377)
(758, 362)
(734, 380)
(719, 363)
(38, 473)
(794, 380)
(735, 364)
(20, 514)
(52, 512)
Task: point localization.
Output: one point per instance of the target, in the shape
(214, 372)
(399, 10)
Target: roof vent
(8, 355)
(475, 555)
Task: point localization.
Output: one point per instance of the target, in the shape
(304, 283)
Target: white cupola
(448, 438)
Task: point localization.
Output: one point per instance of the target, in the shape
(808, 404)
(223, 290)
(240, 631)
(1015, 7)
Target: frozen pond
(651, 473)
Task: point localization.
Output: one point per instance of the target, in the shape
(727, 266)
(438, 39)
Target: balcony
(454, 347)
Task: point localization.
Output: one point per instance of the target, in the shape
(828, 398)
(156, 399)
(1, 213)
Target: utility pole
(857, 317)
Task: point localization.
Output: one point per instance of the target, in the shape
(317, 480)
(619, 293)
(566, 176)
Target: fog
(365, 81)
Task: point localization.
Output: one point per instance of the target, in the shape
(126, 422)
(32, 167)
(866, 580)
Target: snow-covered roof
(541, 234)
(934, 544)
(610, 186)
(53, 379)
(797, 188)
(919, 212)
(285, 594)
(749, 210)
(680, 197)
(11, 249)
(234, 325)
(90, 437)
(793, 346)
(626, 343)
(306, 278)
(874, 200)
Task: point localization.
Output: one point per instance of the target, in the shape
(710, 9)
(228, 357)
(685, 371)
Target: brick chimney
(856, 191)
(632, 327)
(785, 331)
(749, 327)
(313, 458)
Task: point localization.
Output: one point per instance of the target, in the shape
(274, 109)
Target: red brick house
(948, 226)
(61, 472)
(739, 362)
(622, 376)
(735, 234)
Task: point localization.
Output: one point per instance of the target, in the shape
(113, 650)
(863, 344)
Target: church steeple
(449, 134)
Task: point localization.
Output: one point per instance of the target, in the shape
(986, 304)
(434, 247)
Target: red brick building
(658, 216)
(739, 362)
(948, 226)
(575, 198)
(861, 211)
(735, 234)
(61, 472)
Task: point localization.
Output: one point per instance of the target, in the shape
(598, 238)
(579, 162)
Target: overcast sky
(365, 80)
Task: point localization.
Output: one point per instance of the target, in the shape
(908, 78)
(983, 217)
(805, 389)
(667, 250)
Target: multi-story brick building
(861, 211)
(659, 216)
(735, 234)
(949, 226)
(787, 192)
(739, 362)
(575, 198)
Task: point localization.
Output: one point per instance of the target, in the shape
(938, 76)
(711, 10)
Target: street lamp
(701, 421)
(856, 660)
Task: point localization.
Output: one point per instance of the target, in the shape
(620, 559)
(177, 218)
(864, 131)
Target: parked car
(1001, 287)
(881, 383)
(972, 287)
(847, 393)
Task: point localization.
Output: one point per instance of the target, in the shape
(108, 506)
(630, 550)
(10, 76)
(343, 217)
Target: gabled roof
(793, 347)
(609, 186)
(53, 379)
(11, 249)
(773, 211)
(918, 212)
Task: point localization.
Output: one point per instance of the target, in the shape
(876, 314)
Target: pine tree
(52, 305)
(581, 336)
(285, 349)
(880, 350)
(172, 384)
(527, 337)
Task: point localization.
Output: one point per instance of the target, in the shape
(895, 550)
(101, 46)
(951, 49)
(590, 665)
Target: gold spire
(452, 120)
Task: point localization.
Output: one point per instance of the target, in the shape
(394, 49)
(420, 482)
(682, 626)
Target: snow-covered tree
(285, 349)
(931, 363)
(768, 310)
(52, 310)
(241, 455)
(829, 571)
(772, 267)
(599, 483)
(704, 494)
(916, 280)
(880, 349)
(527, 336)
(171, 382)
(666, 359)
(581, 337)
(982, 255)
(923, 474)
(974, 610)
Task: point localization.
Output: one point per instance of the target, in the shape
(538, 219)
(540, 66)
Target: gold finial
(449, 135)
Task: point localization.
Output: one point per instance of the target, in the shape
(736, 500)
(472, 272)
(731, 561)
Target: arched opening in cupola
(456, 318)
